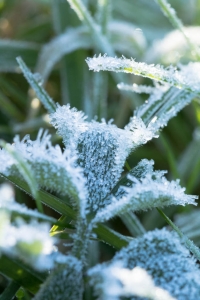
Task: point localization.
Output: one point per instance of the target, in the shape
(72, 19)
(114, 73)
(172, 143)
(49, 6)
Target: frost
(101, 148)
(156, 90)
(30, 243)
(113, 282)
(169, 75)
(53, 170)
(64, 282)
(164, 258)
(149, 191)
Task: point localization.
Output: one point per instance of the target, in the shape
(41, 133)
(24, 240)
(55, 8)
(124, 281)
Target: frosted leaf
(53, 170)
(101, 148)
(164, 258)
(161, 107)
(30, 243)
(150, 191)
(156, 72)
(114, 281)
(64, 282)
(33, 81)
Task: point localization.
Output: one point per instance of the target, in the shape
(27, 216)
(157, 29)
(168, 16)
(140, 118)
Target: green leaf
(21, 273)
(10, 291)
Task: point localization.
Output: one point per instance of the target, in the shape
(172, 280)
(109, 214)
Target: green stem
(10, 291)
(104, 233)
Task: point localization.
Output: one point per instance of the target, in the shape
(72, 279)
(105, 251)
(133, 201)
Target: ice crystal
(171, 75)
(114, 282)
(53, 169)
(164, 258)
(101, 148)
(64, 282)
(151, 190)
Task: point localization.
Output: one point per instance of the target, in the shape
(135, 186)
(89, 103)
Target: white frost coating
(170, 75)
(28, 242)
(150, 191)
(101, 148)
(146, 89)
(64, 282)
(118, 282)
(53, 169)
(161, 254)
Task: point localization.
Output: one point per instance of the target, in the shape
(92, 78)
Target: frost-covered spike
(48, 103)
(101, 148)
(53, 170)
(169, 263)
(146, 89)
(64, 282)
(169, 75)
(148, 192)
(114, 282)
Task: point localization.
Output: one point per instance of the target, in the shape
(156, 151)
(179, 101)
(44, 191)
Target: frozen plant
(85, 181)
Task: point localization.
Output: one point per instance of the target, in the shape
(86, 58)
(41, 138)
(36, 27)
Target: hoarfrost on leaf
(101, 148)
(149, 191)
(54, 170)
(168, 75)
(64, 282)
(161, 254)
(114, 282)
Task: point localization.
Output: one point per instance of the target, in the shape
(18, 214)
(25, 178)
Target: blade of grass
(188, 243)
(48, 103)
(10, 291)
(21, 273)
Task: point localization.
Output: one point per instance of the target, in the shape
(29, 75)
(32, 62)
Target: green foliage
(93, 182)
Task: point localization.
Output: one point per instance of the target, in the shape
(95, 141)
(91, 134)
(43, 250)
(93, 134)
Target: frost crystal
(113, 282)
(151, 190)
(53, 170)
(170, 75)
(101, 148)
(164, 258)
(64, 282)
